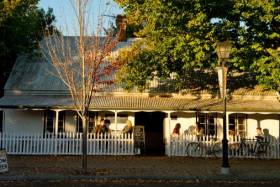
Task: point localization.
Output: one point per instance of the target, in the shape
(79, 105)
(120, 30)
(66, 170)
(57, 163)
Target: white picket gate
(178, 146)
(66, 144)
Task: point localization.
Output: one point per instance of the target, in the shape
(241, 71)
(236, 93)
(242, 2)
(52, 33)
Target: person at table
(97, 128)
(127, 128)
(176, 130)
(199, 131)
(259, 135)
(103, 126)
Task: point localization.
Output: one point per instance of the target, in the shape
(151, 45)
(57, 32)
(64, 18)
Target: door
(153, 123)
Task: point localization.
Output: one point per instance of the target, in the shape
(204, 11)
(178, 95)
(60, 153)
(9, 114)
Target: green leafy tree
(180, 37)
(259, 40)
(22, 25)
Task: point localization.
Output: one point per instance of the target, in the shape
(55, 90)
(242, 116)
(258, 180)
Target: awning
(141, 103)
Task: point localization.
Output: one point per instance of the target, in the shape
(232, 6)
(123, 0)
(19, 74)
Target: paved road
(110, 168)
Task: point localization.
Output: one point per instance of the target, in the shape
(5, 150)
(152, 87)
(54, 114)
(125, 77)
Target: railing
(178, 146)
(66, 144)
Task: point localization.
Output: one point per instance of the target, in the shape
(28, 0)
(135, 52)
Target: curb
(189, 179)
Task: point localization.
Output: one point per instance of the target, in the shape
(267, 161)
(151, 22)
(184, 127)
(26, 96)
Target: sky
(65, 15)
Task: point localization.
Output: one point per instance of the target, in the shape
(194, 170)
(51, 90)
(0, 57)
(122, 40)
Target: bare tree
(82, 64)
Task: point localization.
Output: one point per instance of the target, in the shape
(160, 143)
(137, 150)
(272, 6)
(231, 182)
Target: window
(208, 123)
(122, 118)
(92, 116)
(1, 121)
(237, 124)
(231, 125)
(61, 121)
(79, 124)
(49, 121)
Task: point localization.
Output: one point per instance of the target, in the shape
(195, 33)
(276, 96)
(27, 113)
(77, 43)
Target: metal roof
(33, 74)
(34, 83)
(141, 103)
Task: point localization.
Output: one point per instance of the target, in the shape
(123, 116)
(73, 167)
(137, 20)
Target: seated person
(103, 126)
(231, 134)
(259, 135)
(176, 130)
(127, 128)
(97, 128)
(199, 131)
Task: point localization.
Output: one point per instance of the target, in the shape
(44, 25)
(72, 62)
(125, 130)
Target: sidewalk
(137, 168)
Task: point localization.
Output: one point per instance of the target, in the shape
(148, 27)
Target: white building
(35, 101)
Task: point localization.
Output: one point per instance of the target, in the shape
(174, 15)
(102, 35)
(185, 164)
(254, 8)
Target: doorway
(1, 121)
(153, 123)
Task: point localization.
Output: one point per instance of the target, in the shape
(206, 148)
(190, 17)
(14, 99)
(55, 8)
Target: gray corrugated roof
(141, 103)
(33, 73)
(38, 76)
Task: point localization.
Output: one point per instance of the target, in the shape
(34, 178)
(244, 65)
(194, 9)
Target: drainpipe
(169, 134)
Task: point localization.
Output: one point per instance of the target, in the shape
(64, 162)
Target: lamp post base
(225, 170)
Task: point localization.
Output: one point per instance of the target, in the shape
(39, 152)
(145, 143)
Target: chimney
(121, 23)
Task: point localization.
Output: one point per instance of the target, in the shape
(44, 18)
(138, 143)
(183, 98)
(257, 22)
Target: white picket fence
(178, 146)
(66, 144)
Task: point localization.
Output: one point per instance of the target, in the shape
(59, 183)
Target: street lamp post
(223, 51)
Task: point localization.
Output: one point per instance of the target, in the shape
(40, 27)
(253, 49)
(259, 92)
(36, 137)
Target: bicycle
(198, 148)
(257, 147)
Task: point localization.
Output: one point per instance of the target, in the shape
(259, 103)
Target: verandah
(210, 146)
(123, 144)
(67, 144)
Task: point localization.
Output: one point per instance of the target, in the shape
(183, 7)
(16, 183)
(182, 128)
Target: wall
(120, 126)
(187, 121)
(220, 125)
(33, 121)
(113, 126)
(265, 121)
(23, 121)
(70, 121)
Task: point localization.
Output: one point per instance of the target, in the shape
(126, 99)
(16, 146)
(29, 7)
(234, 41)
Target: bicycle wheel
(194, 149)
(261, 151)
(217, 149)
(270, 151)
(185, 148)
(244, 150)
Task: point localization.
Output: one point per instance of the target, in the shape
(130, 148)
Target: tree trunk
(84, 139)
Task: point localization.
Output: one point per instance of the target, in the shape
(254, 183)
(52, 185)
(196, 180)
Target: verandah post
(115, 135)
(56, 131)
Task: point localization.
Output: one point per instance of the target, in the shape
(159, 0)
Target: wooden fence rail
(179, 147)
(66, 144)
